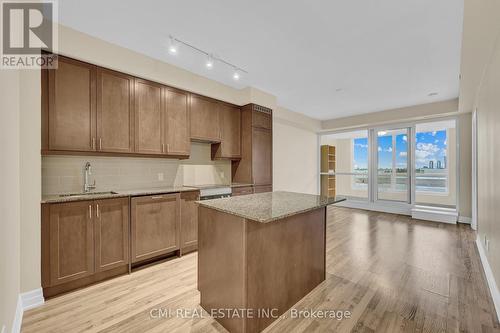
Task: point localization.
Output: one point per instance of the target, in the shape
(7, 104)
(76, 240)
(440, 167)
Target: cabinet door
(176, 123)
(204, 119)
(148, 119)
(71, 241)
(263, 188)
(236, 191)
(189, 221)
(72, 104)
(230, 118)
(155, 225)
(262, 156)
(115, 117)
(111, 233)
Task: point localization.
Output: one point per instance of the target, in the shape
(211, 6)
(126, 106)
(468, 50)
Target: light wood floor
(393, 273)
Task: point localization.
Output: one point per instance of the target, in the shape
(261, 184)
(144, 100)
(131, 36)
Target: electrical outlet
(160, 176)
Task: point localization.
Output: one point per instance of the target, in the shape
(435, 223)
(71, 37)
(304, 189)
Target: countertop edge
(119, 194)
(267, 220)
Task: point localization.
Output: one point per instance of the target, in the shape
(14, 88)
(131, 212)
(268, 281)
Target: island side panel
(221, 264)
(285, 261)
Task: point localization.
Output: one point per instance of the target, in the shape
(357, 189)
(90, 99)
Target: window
(435, 163)
(360, 163)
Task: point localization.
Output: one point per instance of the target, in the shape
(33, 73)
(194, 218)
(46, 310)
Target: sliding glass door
(397, 167)
(392, 180)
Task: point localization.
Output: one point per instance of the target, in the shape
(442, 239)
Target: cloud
(434, 133)
(403, 154)
(405, 138)
(436, 141)
(360, 145)
(424, 151)
(387, 150)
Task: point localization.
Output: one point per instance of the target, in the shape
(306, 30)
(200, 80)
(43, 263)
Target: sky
(429, 146)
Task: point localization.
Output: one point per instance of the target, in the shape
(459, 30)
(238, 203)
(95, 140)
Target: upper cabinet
(148, 118)
(71, 94)
(176, 129)
(115, 112)
(230, 130)
(204, 119)
(90, 109)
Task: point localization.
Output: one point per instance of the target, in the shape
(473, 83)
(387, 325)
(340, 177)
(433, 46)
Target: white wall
(295, 152)
(10, 194)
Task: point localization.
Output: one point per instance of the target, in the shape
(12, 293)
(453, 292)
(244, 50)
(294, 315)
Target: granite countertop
(56, 198)
(270, 206)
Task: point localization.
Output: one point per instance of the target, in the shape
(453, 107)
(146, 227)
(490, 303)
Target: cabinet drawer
(236, 191)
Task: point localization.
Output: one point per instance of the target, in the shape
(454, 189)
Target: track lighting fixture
(173, 49)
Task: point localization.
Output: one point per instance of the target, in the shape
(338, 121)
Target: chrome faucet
(88, 171)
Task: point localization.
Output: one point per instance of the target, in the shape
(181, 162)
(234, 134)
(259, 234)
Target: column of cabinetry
(256, 162)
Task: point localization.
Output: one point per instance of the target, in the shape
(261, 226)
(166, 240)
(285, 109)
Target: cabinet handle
(90, 211)
(93, 143)
(100, 144)
(97, 210)
(162, 147)
(168, 147)
(157, 197)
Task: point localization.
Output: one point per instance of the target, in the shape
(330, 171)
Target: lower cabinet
(262, 188)
(236, 191)
(88, 241)
(189, 221)
(155, 225)
(83, 242)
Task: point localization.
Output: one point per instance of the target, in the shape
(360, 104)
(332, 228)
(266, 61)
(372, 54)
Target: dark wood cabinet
(176, 122)
(71, 91)
(111, 233)
(236, 191)
(91, 109)
(262, 189)
(256, 163)
(262, 157)
(70, 241)
(115, 112)
(204, 119)
(83, 242)
(189, 221)
(230, 130)
(148, 118)
(154, 226)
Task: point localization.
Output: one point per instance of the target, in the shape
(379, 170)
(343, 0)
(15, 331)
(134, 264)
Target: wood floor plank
(392, 273)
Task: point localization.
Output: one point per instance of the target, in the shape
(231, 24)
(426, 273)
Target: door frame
(474, 223)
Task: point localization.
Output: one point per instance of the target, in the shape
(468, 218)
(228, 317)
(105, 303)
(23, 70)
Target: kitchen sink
(86, 194)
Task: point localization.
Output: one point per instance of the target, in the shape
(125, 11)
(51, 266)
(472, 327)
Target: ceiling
(325, 59)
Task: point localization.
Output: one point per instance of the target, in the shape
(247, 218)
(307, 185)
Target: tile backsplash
(64, 174)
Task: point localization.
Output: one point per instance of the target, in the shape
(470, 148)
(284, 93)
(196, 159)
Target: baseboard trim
(490, 278)
(18, 318)
(465, 219)
(436, 214)
(32, 299)
(26, 301)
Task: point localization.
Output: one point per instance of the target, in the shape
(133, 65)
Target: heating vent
(262, 109)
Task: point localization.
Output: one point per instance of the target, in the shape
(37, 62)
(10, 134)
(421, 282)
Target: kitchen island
(259, 254)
